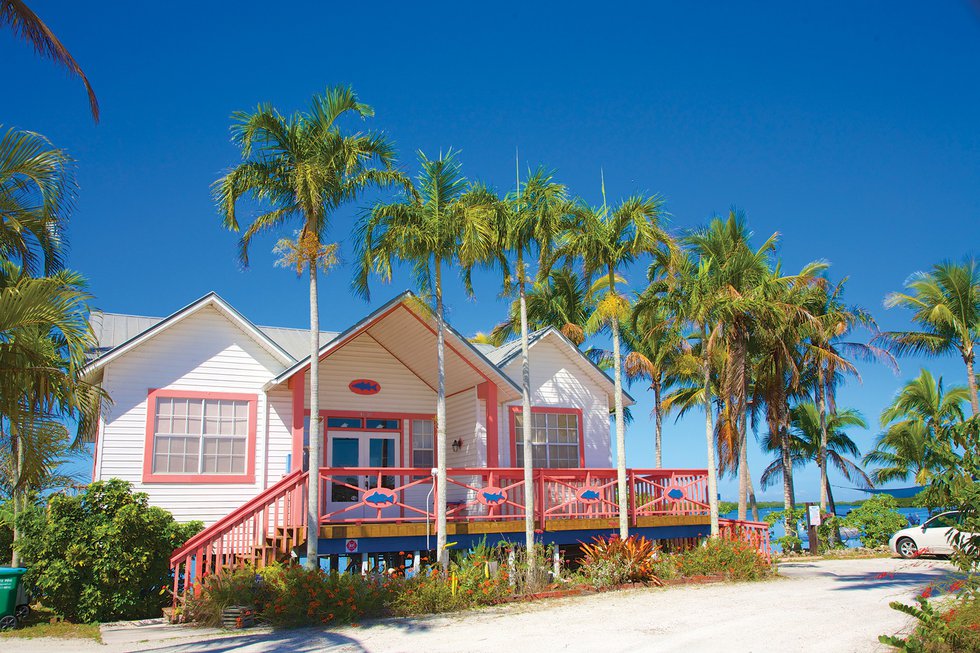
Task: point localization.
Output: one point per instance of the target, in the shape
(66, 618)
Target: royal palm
(301, 168)
(440, 222)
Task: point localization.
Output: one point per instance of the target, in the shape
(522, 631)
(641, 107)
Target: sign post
(812, 521)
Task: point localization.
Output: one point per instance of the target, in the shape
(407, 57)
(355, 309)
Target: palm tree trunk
(658, 444)
(822, 451)
(624, 528)
(709, 434)
(15, 492)
(971, 379)
(743, 477)
(789, 496)
(441, 553)
(753, 507)
(526, 422)
(313, 475)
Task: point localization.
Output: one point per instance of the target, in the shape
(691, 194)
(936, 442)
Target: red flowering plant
(475, 578)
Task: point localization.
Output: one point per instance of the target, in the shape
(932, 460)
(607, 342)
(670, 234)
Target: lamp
(457, 444)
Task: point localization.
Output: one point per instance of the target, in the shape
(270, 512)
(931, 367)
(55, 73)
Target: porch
(391, 509)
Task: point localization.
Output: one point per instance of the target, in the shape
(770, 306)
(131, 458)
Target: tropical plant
(528, 222)
(806, 440)
(606, 240)
(736, 560)
(24, 23)
(608, 562)
(945, 305)
(877, 519)
(440, 221)
(37, 186)
(912, 423)
(102, 555)
(303, 168)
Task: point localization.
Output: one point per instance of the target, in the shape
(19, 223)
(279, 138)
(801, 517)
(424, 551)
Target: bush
(477, 578)
(734, 559)
(614, 561)
(877, 519)
(955, 629)
(102, 555)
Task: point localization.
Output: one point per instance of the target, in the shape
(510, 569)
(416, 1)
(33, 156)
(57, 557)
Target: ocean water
(912, 515)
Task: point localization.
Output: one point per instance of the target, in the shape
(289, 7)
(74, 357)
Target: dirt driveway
(834, 605)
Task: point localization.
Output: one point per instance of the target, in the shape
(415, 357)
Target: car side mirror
(923, 528)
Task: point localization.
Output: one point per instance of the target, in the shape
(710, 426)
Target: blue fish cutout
(379, 498)
(590, 495)
(675, 493)
(365, 385)
(493, 497)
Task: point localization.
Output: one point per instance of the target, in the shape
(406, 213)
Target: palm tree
(561, 300)
(945, 305)
(37, 185)
(44, 334)
(304, 167)
(528, 222)
(807, 439)
(440, 221)
(607, 240)
(26, 24)
(912, 424)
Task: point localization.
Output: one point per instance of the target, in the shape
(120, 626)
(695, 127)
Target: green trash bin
(9, 585)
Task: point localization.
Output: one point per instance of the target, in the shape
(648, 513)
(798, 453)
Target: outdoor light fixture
(457, 444)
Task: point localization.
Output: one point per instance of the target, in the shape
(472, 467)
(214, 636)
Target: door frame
(405, 440)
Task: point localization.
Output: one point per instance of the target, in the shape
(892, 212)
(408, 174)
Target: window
(423, 443)
(554, 439)
(345, 423)
(384, 424)
(200, 435)
(945, 520)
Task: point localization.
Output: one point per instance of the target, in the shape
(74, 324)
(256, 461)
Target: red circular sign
(588, 494)
(364, 387)
(380, 497)
(491, 496)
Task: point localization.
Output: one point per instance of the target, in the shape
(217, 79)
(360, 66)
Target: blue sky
(850, 128)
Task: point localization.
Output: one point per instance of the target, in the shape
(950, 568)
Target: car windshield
(945, 520)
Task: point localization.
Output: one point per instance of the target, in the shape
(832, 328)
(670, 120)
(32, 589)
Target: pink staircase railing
(755, 533)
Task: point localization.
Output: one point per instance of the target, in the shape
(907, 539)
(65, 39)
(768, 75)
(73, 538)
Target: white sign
(351, 546)
(814, 515)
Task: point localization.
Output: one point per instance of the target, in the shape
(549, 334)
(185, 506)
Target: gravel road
(823, 605)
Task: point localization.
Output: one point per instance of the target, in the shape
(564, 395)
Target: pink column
(488, 392)
(297, 384)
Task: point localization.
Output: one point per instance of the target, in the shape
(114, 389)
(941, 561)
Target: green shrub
(480, 577)
(613, 561)
(877, 519)
(791, 540)
(734, 559)
(243, 586)
(102, 555)
(301, 597)
(954, 629)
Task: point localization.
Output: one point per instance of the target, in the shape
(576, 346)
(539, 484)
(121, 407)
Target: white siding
(203, 352)
(463, 423)
(280, 434)
(557, 381)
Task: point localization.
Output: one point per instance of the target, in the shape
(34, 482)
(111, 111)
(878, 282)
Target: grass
(44, 623)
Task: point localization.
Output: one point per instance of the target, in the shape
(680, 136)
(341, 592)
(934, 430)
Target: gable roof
(122, 333)
(406, 299)
(509, 351)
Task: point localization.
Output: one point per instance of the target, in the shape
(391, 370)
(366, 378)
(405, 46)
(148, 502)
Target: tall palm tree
(37, 186)
(911, 425)
(945, 305)
(528, 222)
(441, 221)
(303, 168)
(807, 439)
(24, 23)
(606, 240)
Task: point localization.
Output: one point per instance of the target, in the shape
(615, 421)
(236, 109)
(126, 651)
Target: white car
(932, 537)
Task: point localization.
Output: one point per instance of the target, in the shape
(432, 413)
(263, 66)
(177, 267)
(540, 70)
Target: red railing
(754, 532)
(267, 526)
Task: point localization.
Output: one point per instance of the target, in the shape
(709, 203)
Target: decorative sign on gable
(364, 387)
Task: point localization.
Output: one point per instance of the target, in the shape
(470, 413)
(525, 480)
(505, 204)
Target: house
(210, 417)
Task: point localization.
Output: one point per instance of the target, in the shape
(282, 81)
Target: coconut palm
(440, 222)
(945, 305)
(911, 425)
(37, 186)
(302, 168)
(561, 300)
(807, 439)
(606, 240)
(24, 23)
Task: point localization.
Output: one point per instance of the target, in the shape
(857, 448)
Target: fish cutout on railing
(364, 387)
(675, 494)
(380, 499)
(491, 496)
(588, 495)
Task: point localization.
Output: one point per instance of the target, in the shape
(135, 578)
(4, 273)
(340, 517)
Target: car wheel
(906, 548)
